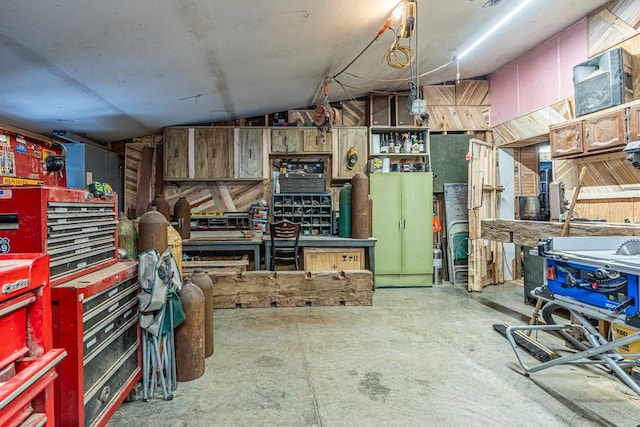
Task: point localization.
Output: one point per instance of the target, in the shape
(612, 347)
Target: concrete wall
(539, 77)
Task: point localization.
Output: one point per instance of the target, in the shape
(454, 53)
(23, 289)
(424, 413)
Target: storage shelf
(313, 211)
(398, 154)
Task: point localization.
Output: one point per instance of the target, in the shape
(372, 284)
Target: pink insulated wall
(540, 77)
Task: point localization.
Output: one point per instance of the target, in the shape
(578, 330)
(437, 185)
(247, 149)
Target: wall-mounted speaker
(603, 81)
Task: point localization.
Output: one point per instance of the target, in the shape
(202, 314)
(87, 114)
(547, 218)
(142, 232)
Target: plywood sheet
(354, 113)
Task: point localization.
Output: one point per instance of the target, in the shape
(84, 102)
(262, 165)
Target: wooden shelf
(214, 179)
(399, 155)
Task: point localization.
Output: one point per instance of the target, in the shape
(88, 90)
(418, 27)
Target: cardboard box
(619, 331)
(321, 259)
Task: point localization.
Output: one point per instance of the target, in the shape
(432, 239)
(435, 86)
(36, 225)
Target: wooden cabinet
(287, 141)
(249, 152)
(213, 153)
(300, 140)
(634, 123)
(176, 153)
(402, 210)
(605, 131)
(345, 139)
(566, 140)
(316, 141)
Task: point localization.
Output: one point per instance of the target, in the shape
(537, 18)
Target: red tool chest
(95, 318)
(27, 360)
(78, 231)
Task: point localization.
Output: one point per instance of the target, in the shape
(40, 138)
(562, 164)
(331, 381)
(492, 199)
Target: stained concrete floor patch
(371, 385)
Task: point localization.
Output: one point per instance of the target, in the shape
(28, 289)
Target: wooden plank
(354, 113)
(213, 153)
(144, 184)
(458, 118)
(292, 288)
(217, 263)
(612, 25)
(439, 94)
(528, 233)
(472, 92)
(532, 128)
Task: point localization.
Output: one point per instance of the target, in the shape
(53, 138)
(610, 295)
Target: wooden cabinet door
(634, 123)
(213, 154)
(566, 140)
(176, 153)
(345, 139)
(605, 131)
(250, 153)
(417, 234)
(316, 141)
(386, 192)
(287, 141)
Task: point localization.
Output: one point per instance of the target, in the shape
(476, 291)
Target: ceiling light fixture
(493, 29)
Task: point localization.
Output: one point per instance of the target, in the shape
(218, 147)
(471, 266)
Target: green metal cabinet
(402, 216)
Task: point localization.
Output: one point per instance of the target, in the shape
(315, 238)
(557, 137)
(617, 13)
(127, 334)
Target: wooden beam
(528, 233)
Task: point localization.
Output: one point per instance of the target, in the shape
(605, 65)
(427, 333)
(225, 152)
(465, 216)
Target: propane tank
(345, 211)
(360, 218)
(152, 231)
(437, 264)
(189, 335)
(161, 205)
(127, 236)
(175, 241)
(182, 214)
(203, 281)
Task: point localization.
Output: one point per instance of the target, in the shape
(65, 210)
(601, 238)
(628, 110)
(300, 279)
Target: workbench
(328, 242)
(224, 241)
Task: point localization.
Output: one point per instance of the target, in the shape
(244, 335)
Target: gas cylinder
(345, 211)
(175, 241)
(189, 335)
(437, 264)
(161, 205)
(152, 231)
(182, 215)
(203, 281)
(127, 236)
(360, 206)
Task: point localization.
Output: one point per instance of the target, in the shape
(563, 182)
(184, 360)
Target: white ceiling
(117, 69)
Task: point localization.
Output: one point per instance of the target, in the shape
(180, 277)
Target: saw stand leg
(601, 352)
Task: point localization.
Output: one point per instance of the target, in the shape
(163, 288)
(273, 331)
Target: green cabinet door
(386, 192)
(417, 214)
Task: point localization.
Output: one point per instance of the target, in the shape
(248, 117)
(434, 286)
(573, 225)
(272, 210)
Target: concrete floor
(417, 357)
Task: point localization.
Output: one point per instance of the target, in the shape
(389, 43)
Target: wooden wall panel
(533, 128)
(472, 92)
(354, 113)
(439, 94)
(527, 176)
(612, 25)
(132, 161)
(456, 118)
(218, 196)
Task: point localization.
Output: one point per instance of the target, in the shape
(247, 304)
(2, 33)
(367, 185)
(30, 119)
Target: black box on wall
(603, 81)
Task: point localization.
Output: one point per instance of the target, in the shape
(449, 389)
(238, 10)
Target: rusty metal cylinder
(127, 236)
(161, 205)
(203, 281)
(182, 215)
(152, 231)
(370, 223)
(360, 218)
(189, 335)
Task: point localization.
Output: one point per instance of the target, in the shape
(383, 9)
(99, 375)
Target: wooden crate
(340, 259)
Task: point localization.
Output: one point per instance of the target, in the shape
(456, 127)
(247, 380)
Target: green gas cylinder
(345, 211)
